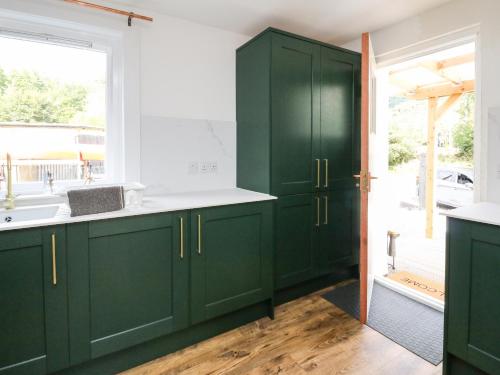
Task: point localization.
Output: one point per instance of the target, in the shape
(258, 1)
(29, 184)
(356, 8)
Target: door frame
(440, 42)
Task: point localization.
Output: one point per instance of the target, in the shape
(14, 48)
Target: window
(53, 110)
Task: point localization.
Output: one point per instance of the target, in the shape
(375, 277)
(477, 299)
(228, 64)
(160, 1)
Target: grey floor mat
(412, 325)
(345, 298)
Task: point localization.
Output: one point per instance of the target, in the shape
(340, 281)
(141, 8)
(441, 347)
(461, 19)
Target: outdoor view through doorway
(430, 131)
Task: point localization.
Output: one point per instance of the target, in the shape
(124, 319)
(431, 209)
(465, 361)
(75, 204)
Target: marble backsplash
(174, 153)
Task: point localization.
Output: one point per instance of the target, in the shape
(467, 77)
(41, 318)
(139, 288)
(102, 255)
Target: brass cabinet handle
(326, 172)
(317, 211)
(181, 219)
(326, 209)
(54, 263)
(199, 234)
(318, 173)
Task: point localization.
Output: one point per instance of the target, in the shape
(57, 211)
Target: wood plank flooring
(309, 336)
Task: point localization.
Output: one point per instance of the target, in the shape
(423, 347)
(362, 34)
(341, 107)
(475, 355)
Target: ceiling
(334, 21)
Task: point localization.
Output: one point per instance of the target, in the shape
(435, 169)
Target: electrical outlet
(204, 167)
(212, 167)
(193, 167)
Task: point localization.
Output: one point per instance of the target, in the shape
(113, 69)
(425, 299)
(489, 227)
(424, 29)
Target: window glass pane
(52, 111)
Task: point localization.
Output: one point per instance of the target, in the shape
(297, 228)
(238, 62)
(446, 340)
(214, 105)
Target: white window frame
(108, 41)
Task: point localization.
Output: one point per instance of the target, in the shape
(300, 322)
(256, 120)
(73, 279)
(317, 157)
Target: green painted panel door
(33, 313)
(297, 228)
(340, 118)
(295, 115)
(231, 258)
(473, 303)
(137, 282)
(338, 244)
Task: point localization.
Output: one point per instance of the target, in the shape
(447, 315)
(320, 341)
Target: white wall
(439, 26)
(178, 75)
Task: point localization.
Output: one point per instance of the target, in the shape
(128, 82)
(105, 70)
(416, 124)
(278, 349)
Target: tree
(29, 97)
(4, 81)
(401, 149)
(463, 133)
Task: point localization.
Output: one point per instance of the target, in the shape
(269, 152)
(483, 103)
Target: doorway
(428, 128)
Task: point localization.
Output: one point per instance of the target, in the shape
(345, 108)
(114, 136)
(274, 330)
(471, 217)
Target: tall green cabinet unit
(298, 138)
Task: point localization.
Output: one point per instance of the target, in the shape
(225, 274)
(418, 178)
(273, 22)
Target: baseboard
(137, 355)
(289, 294)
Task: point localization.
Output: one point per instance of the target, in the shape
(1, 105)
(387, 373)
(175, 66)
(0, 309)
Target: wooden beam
(458, 60)
(440, 64)
(430, 172)
(435, 68)
(435, 91)
(443, 108)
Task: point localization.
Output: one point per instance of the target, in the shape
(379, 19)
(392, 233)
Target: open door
(373, 163)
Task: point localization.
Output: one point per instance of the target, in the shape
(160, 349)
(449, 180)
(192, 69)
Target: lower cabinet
(231, 258)
(74, 293)
(338, 223)
(316, 234)
(129, 281)
(296, 239)
(472, 314)
(33, 300)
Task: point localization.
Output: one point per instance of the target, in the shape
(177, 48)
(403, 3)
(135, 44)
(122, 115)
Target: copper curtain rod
(130, 15)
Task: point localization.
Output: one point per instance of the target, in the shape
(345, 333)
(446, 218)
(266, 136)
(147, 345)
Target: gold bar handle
(326, 209)
(199, 234)
(181, 219)
(54, 263)
(317, 211)
(318, 173)
(326, 173)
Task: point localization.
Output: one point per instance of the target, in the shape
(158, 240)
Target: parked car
(454, 187)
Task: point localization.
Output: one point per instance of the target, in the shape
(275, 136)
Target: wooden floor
(308, 336)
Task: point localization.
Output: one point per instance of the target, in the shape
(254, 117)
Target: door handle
(364, 180)
(181, 220)
(317, 211)
(54, 260)
(318, 173)
(326, 173)
(199, 234)
(326, 209)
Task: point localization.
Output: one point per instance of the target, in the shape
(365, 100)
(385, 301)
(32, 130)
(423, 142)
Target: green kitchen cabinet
(298, 138)
(338, 230)
(340, 111)
(33, 292)
(129, 280)
(295, 115)
(231, 258)
(297, 229)
(472, 308)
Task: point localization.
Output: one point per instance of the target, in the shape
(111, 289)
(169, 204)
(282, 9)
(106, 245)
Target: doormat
(429, 287)
(346, 298)
(411, 324)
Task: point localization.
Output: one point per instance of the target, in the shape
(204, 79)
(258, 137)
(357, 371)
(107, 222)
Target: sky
(72, 65)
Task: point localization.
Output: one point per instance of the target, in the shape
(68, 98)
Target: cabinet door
(130, 283)
(33, 313)
(340, 121)
(231, 258)
(473, 303)
(295, 115)
(297, 225)
(338, 245)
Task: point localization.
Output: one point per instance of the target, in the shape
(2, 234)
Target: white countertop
(151, 205)
(485, 212)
